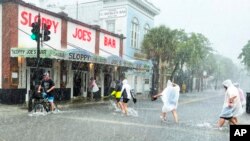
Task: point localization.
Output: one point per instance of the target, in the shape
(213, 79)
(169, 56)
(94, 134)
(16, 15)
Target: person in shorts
(232, 105)
(117, 94)
(126, 95)
(48, 87)
(170, 98)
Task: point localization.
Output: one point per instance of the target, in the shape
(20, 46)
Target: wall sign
(113, 13)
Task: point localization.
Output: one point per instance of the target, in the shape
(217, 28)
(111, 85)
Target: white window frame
(135, 33)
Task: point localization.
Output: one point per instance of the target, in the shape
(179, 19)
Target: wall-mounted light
(19, 59)
(91, 65)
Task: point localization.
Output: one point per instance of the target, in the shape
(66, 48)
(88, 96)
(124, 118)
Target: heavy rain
(142, 70)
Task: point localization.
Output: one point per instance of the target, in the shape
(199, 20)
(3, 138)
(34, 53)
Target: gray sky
(226, 23)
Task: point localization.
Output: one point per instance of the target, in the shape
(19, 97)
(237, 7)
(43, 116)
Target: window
(146, 29)
(147, 81)
(111, 26)
(135, 33)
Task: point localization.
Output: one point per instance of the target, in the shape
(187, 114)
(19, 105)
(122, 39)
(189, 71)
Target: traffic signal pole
(38, 43)
(38, 39)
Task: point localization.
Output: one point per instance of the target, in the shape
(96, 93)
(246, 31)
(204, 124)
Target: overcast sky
(226, 23)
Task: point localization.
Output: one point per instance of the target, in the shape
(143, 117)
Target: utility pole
(36, 35)
(38, 50)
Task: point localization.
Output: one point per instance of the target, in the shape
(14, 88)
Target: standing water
(131, 111)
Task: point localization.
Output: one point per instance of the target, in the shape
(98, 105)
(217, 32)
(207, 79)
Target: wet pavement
(80, 120)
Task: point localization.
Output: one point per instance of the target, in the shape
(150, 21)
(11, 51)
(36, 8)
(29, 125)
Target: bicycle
(43, 103)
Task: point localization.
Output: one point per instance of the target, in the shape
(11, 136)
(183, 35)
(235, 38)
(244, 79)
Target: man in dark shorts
(117, 94)
(48, 87)
(229, 109)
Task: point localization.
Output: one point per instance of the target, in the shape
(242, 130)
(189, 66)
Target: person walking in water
(126, 95)
(170, 97)
(117, 94)
(232, 107)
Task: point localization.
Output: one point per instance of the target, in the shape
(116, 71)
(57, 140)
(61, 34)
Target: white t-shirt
(95, 87)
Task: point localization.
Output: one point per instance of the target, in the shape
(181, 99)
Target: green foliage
(245, 56)
(159, 42)
(190, 52)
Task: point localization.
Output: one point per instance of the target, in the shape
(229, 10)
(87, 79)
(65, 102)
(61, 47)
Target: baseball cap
(45, 74)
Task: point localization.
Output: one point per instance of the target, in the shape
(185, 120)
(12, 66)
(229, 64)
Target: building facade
(75, 52)
(132, 18)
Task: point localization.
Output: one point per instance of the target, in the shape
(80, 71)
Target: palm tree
(159, 46)
(245, 55)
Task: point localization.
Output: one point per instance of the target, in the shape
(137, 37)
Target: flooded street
(124, 70)
(198, 114)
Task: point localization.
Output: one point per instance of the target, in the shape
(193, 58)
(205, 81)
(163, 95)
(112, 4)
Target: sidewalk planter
(12, 96)
(248, 103)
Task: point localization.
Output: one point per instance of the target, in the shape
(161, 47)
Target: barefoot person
(232, 106)
(126, 95)
(117, 94)
(170, 97)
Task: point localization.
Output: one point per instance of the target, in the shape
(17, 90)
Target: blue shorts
(50, 97)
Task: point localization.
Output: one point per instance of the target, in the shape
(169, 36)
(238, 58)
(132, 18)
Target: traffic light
(35, 31)
(46, 32)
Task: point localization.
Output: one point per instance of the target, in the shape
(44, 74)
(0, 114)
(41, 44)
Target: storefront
(140, 76)
(75, 52)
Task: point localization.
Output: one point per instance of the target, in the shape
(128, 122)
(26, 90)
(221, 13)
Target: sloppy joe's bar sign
(27, 16)
(32, 53)
(109, 45)
(78, 57)
(81, 37)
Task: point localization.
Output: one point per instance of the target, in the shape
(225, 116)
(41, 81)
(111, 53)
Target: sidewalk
(23, 108)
